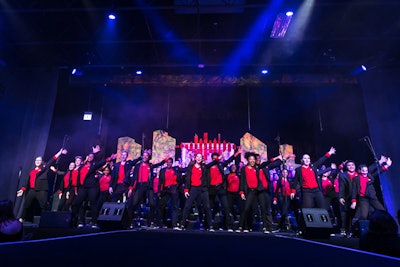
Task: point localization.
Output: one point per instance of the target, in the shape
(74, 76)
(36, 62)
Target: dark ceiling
(339, 36)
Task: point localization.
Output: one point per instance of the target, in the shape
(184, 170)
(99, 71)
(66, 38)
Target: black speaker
(113, 216)
(315, 223)
(55, 219)
(360, 228)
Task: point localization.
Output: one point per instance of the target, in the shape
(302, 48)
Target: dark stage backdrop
(312, 118)
(27, 100)
(381, 95)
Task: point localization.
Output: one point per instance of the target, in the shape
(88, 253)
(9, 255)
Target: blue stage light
(139, 72)
(289, 13)
(112, 16)
(264, 71)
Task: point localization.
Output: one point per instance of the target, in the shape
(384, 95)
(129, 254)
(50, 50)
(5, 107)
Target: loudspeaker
(55, 219)
(315, 223)
(360, 228)
(113, 216)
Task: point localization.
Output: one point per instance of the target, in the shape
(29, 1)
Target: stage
(87, 246)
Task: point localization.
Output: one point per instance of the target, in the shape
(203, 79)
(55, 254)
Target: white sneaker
(230, 230)
(245, 231)
(177, 228)
(80, 225)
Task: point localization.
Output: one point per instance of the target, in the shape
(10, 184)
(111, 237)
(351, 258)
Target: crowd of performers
(224, 186)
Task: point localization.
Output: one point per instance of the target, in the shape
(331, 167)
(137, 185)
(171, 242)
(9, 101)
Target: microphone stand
(19, 180)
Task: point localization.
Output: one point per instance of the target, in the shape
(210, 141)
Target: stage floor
(168, 247)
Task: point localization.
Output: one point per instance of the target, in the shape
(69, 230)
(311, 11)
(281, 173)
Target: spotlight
(112, 16)
(200, 66)
(264, 71)
(139, 72)
(76, 72)
(363, 68)
(281, 24)
(289, 13)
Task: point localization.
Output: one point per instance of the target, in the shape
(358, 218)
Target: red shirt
(309, 179)
(363, 185)
(121, 173)
(32, 177)
(66, 179)
(251, 177)
(352, 175)
(196, 175)
(156, 180)
(84, 171)
(144, 173)
(326, 184)
(215, 175)
(336, 184)
(170, 178)
(104, 182)
(233, 182)
(263, 179)
(285, 189)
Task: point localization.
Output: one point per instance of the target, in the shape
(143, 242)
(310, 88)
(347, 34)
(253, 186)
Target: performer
(284, 194)
(218, 186)
(37, 186)
(268, 187)
(120, 176)
(196, 189)
(306, 181)
(253, 188)
(88, 187)
(66, 191)
(168, 183)
(141, 185)
(233, 196)
(104, 183)
(364, 191)
(329, 183)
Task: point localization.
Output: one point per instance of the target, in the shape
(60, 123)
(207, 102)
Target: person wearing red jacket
(37, 185)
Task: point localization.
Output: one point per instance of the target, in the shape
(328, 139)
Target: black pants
(253, 196)
(365, 203)
(235, 199)
(200, 195)
(285, 203)
(65, 204)
(120, 190)
(312, 198)
(142, 191)
(32, 194)
(334, 202)
(220, 192)
(104, 196)
(85, 193)
(170, 192)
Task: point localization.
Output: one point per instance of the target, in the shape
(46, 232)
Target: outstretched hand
(332, 151)
(95, 149)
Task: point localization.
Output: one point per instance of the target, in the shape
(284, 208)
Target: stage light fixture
(112, 16)
(139, 72)
(200, 66)
(76, 72)
(281, 24)
(264, 71)
(363, 67)
(87, 116)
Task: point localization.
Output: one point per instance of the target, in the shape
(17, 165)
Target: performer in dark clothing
(37, 185)
(284, 194)
(233, 181)
(364, 191)
(88, 187)
(253, 188)
(141, 185)
(196, 189)
(168, 183)
(218, 186)
(104, 184)
(67, 191)
(306, 181)
(120, 176)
